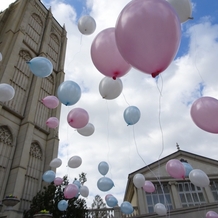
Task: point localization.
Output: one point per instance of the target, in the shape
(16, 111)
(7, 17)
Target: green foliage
(48, 199)
(98, 204)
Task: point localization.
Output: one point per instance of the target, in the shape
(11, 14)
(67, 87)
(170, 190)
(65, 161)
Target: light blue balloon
(131, 115)
(111, 201)
(77, 183)
(103, 168)
(62, 205)
(40, 66)
(188, 168)
(49, 176)
(69, 93)
(105, 184)
(126, 208)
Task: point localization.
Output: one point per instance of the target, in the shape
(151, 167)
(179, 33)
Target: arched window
(33, 175)
(21, 83)
(5, 152)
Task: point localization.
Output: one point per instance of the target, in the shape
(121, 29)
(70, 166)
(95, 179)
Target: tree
(98, 203)
(48, 199)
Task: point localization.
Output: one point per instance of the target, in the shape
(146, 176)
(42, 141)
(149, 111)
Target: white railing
(109, 213)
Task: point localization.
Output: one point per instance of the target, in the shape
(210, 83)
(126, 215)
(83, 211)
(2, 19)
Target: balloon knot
(155, 73)
(114, 77)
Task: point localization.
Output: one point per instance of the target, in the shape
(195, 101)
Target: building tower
(27, 145)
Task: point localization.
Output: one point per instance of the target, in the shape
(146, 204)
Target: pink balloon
(204, 113)
(78, 118)
(50, 101)
(71, 191)
(148, 35)
(211, 214)
(58, 181)
(52, 122)
(105, 55)
(149, 187)
(175, 169)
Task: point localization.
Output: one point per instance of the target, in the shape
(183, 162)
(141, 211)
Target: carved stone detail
(5, 135)
(36, 151)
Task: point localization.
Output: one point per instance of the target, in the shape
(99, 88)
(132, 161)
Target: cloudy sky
(164, 103)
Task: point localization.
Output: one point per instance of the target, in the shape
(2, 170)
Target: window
(160, 195)
(214, 189)
(190, 194)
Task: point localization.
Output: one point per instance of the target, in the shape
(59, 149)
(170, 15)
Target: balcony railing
(109, 213)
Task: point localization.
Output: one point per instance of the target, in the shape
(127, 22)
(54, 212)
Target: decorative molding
(36, 151)
(5, 135)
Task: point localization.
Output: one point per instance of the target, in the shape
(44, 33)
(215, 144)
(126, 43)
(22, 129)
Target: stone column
(175, 195)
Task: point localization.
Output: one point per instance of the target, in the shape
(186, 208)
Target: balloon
(126, 207)
(49, 176)
(62, 205)
(183, 9)
(160, 209)
(52, 122)
(58, 181)
(110, 88)
(131, 115)
(0, 56)
(77, 183)
(50, 101)
(107, 196)
(6, 92)
(111, 201)
(139, 180)
(199, 178)
(55, 163)
(69, 93)
(86, 25)
(74, 162)
(105, 184)
(84, 191)
(71, 191)
(149, 187)
(87, 130)
(40, 66)
(103, 168)
(175, 169)
(188, 168)
(204, 113)
(148, 35)
(78, 118)
(211, 214)
(105, 55)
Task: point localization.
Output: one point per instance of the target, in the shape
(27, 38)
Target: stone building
(27, 145)
(181, 197)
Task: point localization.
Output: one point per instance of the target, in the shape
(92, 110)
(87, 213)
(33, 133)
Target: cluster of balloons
(179, 170)
(140, 182)
(131, 115)
(104, 183)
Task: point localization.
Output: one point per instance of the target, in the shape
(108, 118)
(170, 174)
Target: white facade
(181, 197)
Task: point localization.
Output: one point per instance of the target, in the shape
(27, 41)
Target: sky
(164, 103)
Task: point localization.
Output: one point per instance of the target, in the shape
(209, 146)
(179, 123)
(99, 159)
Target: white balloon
(139, 180)
(86, 25)
(110, 88)
(74, 162)
(183, 9)
(0, 56)
(87, 130)
(6, 92)
(84, 191)
(160, 209)
(56, 162)
(199, 178)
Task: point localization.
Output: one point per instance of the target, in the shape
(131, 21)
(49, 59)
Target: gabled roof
(208, 165)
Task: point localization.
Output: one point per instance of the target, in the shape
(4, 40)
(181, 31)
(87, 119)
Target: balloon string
(125, 98)
(108, 142)
(146, 165)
